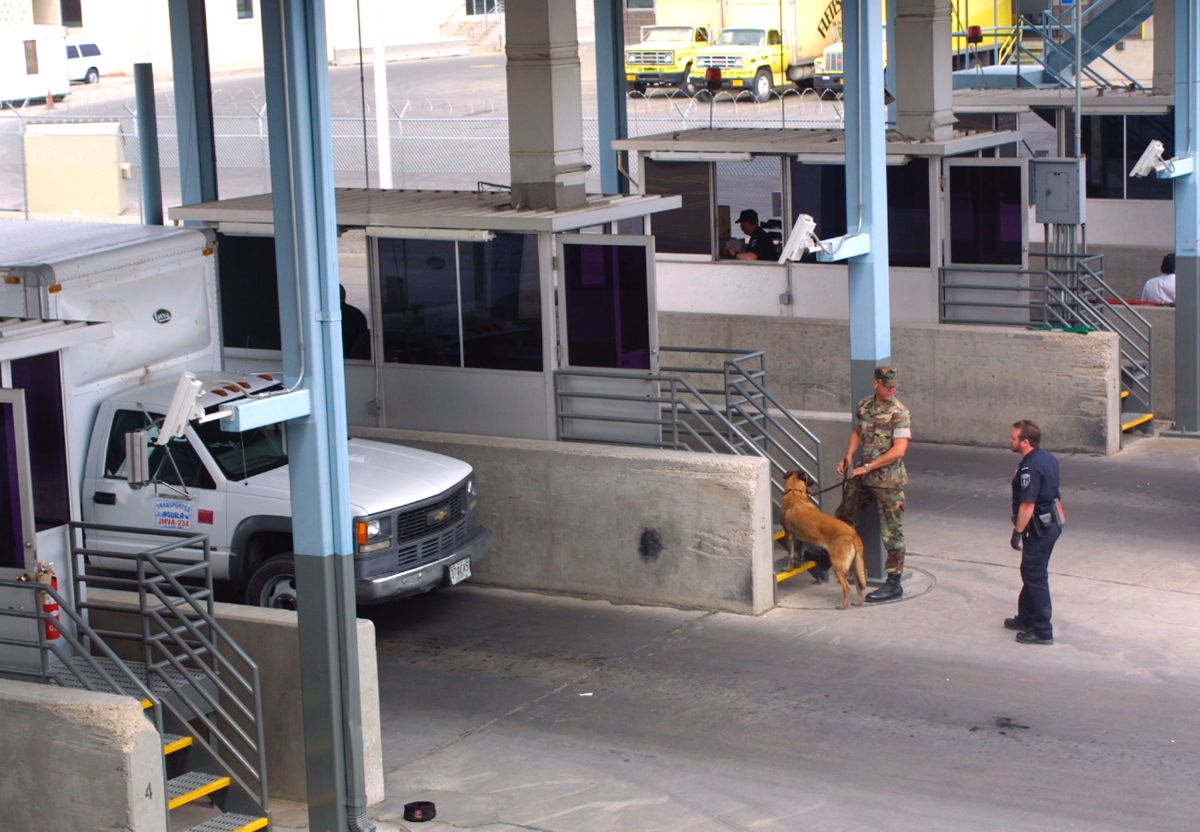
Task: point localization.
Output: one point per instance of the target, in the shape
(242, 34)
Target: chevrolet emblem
(439, 516)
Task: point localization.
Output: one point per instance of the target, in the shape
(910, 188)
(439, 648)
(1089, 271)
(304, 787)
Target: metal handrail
(158, 572)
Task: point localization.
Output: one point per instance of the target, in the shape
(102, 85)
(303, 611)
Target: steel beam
(610, 91)
(866, 212)
(297, 86)
(193, 102)
(1187, 219)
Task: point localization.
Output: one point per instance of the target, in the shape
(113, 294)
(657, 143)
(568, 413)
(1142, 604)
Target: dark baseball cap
(748, 215)
(886, 376)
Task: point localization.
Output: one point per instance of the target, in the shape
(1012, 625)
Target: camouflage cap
(886, 376)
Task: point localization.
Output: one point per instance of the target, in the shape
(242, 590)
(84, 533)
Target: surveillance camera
(185, 406)
(801, 240)
(1151, 160)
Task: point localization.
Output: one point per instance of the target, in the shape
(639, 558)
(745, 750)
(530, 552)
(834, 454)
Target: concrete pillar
(924, 94)
(1164, 46)
(545, 123)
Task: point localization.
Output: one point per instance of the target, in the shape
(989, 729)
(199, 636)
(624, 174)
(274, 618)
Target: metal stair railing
(1059, 56)
(748, 422)
(79, 647)
(179, 632)
(1072, 297)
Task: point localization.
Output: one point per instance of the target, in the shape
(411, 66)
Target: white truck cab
(413, 511)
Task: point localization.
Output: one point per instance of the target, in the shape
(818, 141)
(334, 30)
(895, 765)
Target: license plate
(460, 571)
(630, 77)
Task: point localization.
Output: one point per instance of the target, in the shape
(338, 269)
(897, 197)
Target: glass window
(1103, 143)
(89, 50)
(420, 302)
(245, 9)
(820, 191)
(757, 185)
(986, 212)
(40, 377)
(31, 61)
(72, 12)
(249, 292)
(72, 52)
(501, 303)
(647, 5)
(246, 454)
(123, 422)
(176, 463)
(688, 229)
(608, 318)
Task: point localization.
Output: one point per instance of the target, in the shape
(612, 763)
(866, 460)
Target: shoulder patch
(1026, 478)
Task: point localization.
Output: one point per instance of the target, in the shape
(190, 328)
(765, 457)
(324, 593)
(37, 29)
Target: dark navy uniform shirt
(761, 244)
(1036, 481)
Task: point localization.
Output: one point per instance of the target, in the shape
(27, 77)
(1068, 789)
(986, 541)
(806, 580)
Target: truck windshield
(661, 34)
(242, 455)
(742, 37)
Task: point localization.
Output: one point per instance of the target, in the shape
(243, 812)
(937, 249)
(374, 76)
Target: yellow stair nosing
(196, 794)
(177, 745)
(791, 573)
(1124, 394)
(260, 823)
(1133, 423)
(147, 704)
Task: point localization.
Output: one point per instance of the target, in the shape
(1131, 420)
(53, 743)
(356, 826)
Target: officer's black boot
(889, 591)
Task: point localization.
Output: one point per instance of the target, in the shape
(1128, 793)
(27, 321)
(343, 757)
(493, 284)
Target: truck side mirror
(137, 470)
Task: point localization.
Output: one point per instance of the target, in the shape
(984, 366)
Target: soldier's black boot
(889, 591)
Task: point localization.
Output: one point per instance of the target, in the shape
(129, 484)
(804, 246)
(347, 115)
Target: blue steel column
(610, 91)
(147, 130)
(193, 102)
(302, 183)
(1187, 219)
(866, 211)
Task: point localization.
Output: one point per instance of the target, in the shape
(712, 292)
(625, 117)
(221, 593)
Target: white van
(84, 61)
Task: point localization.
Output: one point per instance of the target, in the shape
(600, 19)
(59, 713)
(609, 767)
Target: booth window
(688, 229)
(462, 304)
(820, 191)
(756, 184)
(986, 215)
(31, 61)
(1113, 144)
(249, 292)
(245, 9)
(608, 314)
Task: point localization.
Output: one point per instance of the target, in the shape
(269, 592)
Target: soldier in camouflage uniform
(882, 429)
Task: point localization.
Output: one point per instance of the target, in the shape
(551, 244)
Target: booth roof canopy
(25, 337)
(801, 142)
(1094, 101)
(483, 210)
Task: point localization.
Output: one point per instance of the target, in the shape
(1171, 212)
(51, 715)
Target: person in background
(759, 245)
(356, 336)
(1161, 289)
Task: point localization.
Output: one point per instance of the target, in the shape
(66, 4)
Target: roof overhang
(26, 337)
(708, 144)
(1092, 102)
(452, 210)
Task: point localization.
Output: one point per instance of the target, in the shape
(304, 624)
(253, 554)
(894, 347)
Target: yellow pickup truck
(664, 58)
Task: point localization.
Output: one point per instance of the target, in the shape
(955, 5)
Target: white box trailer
(33, 63)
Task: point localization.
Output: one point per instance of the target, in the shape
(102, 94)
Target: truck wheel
(638, 88)
(762, 86)
(685, 86)
(93, 75)
(273, 584)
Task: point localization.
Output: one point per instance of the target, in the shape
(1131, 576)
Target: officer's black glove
(1015, 540)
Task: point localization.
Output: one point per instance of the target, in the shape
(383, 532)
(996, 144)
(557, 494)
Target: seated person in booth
(759, 245)
(356, 337)
(1161, 289)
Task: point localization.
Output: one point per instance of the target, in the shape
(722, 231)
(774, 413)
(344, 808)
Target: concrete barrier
(271, 638)
(964, 384)
(1162, 355)
(74, 759)
(629, 525)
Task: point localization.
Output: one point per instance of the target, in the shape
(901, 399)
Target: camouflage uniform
(880, 423)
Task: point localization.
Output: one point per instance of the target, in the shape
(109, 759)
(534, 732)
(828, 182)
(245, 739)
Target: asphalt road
(518, 711)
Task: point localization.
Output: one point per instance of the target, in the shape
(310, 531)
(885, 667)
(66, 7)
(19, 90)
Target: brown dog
(803, 520)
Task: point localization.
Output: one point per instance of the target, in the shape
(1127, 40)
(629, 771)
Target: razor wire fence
(451, 147)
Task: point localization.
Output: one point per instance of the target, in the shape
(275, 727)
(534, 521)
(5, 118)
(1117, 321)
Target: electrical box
(1059, 190)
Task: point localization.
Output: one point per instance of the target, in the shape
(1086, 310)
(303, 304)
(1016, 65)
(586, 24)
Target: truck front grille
(723, 61)
(834, 62)
(432, 548)
(420, 522)
(658, 58)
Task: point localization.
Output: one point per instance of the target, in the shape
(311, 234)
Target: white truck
(414, 512)
(33, 63)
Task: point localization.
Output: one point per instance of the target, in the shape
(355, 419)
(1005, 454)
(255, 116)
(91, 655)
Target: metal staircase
(195, 684)
(1104, 23)
(1068, 292)
(719, 404)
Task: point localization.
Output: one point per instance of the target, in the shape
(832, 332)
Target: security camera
(185, 406)
(801, 240)
(1151, 160)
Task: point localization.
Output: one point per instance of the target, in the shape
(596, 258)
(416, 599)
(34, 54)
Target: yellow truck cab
(665, 57)
(759, 49)
(965, 51)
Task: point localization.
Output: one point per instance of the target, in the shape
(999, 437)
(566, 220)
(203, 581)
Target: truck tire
(93, 75)
(762, 86)
(685, 86)
(638, 88)
(273, 584)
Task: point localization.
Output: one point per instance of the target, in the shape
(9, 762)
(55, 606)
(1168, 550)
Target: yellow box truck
(666, 54)
(765, 44)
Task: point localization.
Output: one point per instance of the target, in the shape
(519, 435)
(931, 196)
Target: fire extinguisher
(45, 575)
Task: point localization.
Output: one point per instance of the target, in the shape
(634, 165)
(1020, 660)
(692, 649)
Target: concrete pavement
(525, 712)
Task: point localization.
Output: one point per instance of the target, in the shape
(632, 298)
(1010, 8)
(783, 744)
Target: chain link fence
(446, 145)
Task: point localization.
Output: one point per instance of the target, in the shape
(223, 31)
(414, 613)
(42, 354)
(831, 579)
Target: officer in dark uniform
(1038, 516)
(759, 245)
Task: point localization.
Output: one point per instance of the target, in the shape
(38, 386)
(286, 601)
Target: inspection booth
(472, 305)
(956, 212)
